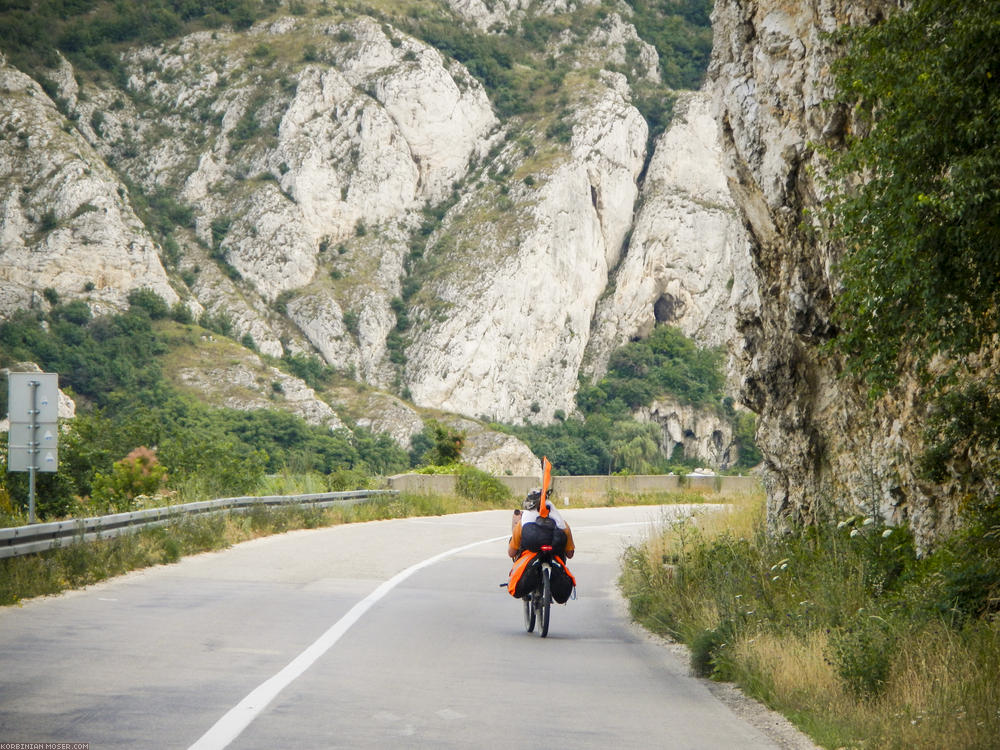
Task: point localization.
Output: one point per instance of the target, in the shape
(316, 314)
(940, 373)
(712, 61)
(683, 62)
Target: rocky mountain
(331, 184)
(828, 449)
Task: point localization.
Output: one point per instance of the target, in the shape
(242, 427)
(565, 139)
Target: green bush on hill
(666, 362)
(111, 365)
(89, 32)
(681, 31)
(607, 438)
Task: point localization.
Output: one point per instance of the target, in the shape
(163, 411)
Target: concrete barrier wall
(444, 484)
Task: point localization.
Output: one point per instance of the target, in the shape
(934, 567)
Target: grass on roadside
(78, 565)
(842, 628)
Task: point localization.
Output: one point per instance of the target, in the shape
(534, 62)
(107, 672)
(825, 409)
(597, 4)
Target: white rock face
(218, 296)
(609, 45)
(488, 15)
(701, 432)
(387, 415)
(494, 452)
(514, 334)
(441, 112)
(688, 261)
(371, 278)
(492, 15)
(343, 150)
(64, 221)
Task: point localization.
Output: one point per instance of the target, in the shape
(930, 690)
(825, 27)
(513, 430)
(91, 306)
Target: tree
(921, 220)
(446, 447)
(635, 448)
(139, 473)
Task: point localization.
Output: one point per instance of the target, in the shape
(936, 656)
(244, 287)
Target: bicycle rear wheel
(545, 604)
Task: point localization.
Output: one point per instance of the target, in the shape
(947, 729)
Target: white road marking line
(238, 718)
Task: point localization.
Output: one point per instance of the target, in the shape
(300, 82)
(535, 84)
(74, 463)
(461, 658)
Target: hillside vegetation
(605, 438)
(111, 365)
(514, 67)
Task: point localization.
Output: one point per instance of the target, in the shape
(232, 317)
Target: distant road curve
(385, 634)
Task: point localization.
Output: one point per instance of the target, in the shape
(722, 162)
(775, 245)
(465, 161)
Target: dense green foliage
(440, 445)
(89, 32)
(922, 266)
(920, 226)
(607, 439)
(478, 485)
(111, 365)
(666, 362)
(681, 31)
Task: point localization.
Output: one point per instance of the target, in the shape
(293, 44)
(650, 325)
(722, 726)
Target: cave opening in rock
(667, 308)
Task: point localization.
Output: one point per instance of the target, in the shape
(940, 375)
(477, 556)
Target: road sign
(46, 396)
(33, 404)
(23, 437)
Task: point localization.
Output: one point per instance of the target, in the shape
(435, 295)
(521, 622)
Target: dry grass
(740, 517)
(942, 688)
(943, 692)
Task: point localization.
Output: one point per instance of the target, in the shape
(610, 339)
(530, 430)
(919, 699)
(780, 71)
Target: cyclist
(530, 531)
(525, 528)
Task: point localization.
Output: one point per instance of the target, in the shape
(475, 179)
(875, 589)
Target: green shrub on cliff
(921, 270)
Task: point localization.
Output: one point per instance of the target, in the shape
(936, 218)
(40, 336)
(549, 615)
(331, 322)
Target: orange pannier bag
(518, 570)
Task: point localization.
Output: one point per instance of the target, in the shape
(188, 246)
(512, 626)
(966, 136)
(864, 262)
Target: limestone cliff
(687, 261)
(827, 451)
(281, 178)
(699, 433)
(65, 220)
(524, 283)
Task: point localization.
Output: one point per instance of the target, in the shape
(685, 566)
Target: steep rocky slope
(828, 451)
(66, 222)
(284, 176)
(508, 325)
(687, 261)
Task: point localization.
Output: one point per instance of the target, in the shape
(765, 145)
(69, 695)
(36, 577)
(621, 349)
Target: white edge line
(238, 718)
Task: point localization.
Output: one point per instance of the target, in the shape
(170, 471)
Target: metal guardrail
(24, 540)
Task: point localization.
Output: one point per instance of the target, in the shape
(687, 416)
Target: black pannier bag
(529, 579)
(560, 583)
(540, 532)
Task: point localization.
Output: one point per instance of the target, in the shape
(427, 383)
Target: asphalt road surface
(386, 634)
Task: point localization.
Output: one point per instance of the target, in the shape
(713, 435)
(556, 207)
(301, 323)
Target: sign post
(33, 402)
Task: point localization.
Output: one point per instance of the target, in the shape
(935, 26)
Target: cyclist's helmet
(533, 500)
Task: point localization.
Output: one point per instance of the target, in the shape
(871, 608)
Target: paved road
(298, 641)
